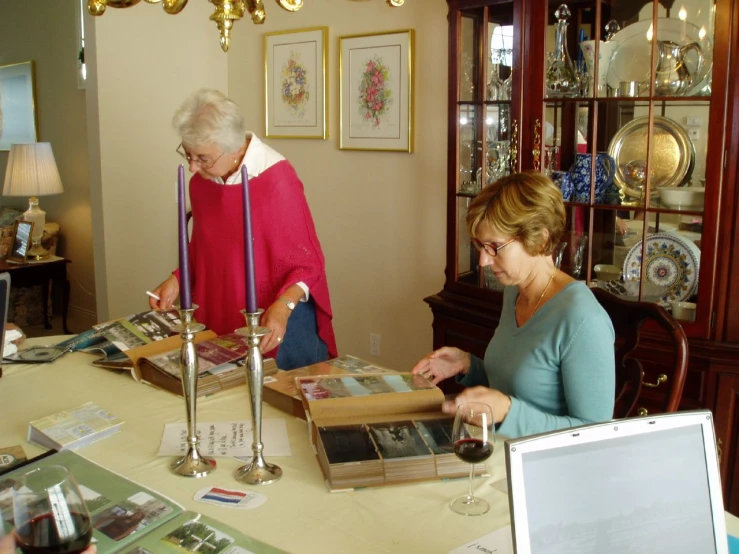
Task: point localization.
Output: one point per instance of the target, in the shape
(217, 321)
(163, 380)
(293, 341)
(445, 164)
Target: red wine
(40, 535)
(473, 451)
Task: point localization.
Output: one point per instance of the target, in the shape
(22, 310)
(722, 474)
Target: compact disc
(39, 354)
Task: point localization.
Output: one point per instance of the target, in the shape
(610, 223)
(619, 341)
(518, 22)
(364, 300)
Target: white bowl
(682, 197)
(607, 272)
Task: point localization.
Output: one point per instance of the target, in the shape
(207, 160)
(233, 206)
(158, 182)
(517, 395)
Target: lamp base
(37, 252)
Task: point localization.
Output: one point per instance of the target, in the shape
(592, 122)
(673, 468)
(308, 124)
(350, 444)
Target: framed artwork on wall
(376, 91)
(295, 83)
(17, 105)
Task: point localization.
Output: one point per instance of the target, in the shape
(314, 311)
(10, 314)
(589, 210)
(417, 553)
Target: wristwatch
(289, 303)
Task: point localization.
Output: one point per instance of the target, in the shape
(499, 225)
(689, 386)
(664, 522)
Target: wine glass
(474, 438)
(50, 515)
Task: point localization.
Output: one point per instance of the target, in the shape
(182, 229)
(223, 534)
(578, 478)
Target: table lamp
(32, 172)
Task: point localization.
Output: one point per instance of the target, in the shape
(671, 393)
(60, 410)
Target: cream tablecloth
(300, 515)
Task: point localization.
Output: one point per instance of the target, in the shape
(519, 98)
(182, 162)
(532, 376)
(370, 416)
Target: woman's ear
(544, 240)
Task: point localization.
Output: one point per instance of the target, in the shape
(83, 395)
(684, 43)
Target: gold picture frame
(376, 91)
(295, 77)
(17, 105)
(21, 243)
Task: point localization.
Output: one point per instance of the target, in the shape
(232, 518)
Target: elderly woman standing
(550, 364)
(291, 276)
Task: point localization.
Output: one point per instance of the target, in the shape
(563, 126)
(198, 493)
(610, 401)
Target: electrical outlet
(693, 122)
(374, 344)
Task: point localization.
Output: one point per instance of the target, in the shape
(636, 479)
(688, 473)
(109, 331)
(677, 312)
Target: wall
(45, 33)
(380, 216)
(143, 62)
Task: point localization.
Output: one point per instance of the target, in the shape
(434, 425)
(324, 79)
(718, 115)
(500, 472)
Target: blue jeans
(301, 345)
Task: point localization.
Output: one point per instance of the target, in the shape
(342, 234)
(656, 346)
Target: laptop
(4, 299)
(648, 484)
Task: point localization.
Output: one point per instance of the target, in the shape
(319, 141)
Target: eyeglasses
(490, 248)
(204, 164)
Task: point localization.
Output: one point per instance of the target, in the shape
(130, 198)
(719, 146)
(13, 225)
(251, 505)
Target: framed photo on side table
(22, 231)
(295, 83)
(17, 105)
(376, 91)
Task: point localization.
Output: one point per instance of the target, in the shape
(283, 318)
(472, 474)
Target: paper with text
(497, 542)
(226, 438)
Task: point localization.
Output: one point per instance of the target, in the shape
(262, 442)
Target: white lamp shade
(32, 171)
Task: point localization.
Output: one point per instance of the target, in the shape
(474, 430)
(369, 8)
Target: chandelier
(227, 11)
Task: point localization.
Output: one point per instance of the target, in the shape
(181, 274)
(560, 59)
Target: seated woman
(550, 364)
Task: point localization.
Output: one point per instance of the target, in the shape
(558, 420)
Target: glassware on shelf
(495, 83)
(551, 157)
(562, 79)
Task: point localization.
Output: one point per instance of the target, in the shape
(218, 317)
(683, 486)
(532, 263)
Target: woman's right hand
(443, 363)
(168, 292)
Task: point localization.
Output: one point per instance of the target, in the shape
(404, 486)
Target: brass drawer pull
(661, 378)
(642, 412)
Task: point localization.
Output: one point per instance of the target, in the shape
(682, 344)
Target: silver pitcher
(673, 77)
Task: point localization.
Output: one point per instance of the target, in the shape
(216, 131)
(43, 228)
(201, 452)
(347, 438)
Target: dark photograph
(345, 444)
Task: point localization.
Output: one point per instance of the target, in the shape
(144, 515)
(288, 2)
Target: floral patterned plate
(671, 262)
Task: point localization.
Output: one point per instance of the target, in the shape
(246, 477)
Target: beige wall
(380, 216)
(143, 63)
(48, 37)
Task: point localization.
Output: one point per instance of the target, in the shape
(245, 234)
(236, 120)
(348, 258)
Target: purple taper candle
(251, 281)
(185, 293)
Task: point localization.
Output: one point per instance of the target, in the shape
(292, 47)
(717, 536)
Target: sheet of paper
(227, 438)
(497, 542)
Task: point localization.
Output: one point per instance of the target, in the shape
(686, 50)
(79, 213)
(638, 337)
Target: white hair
(209, 117)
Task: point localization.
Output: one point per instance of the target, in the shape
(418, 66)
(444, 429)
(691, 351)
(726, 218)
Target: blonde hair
(522, 206)
(209, 117)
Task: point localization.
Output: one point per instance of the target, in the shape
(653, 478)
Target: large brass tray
(673, 154)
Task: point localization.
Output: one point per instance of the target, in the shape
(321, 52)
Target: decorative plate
(672, 262)
(673, 153)
(632, 58)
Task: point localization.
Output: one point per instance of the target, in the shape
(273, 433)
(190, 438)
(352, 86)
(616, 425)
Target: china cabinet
(632, 109)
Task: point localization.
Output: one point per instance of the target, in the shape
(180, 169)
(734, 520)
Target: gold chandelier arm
(292, 5)
(172, 6)
(256, 10)
(121, 3)
(96, 7)
(395, 3)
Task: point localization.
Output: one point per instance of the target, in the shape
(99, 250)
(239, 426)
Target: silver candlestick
(256, 472)
(192, 464)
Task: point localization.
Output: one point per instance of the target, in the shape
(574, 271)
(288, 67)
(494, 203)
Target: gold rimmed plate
(673, 154)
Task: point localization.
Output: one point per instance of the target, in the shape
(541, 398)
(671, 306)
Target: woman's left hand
(499, 402)
(275, 319)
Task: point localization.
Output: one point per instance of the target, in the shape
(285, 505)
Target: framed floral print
(295, 83)
(17, 105)
(376, 91)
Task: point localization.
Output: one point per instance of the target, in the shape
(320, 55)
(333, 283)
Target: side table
(42, 273)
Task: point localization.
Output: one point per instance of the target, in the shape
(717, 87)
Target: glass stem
(470, 496)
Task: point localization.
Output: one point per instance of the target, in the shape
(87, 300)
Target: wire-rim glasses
(200, 163)
(490, 248)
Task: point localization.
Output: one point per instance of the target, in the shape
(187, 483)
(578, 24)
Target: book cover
(73, 428)
(281, 390)
(127, 517)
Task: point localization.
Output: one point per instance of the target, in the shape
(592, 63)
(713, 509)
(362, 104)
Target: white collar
(258, 158)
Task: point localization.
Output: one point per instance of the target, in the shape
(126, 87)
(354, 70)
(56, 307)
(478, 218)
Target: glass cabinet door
(485, 126)
(627, 105)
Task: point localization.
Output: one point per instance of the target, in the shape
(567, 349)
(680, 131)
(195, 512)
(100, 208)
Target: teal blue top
(558, 367)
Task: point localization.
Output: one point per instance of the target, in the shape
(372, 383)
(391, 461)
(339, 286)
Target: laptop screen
(641, 485)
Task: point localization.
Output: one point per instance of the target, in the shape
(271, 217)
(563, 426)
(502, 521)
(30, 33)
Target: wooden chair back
(628, 318)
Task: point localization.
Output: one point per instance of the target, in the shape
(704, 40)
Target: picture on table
(196, 536)
(22, 231)
(347, 444)
(127, 517)
(438, 434)
(399, 439)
